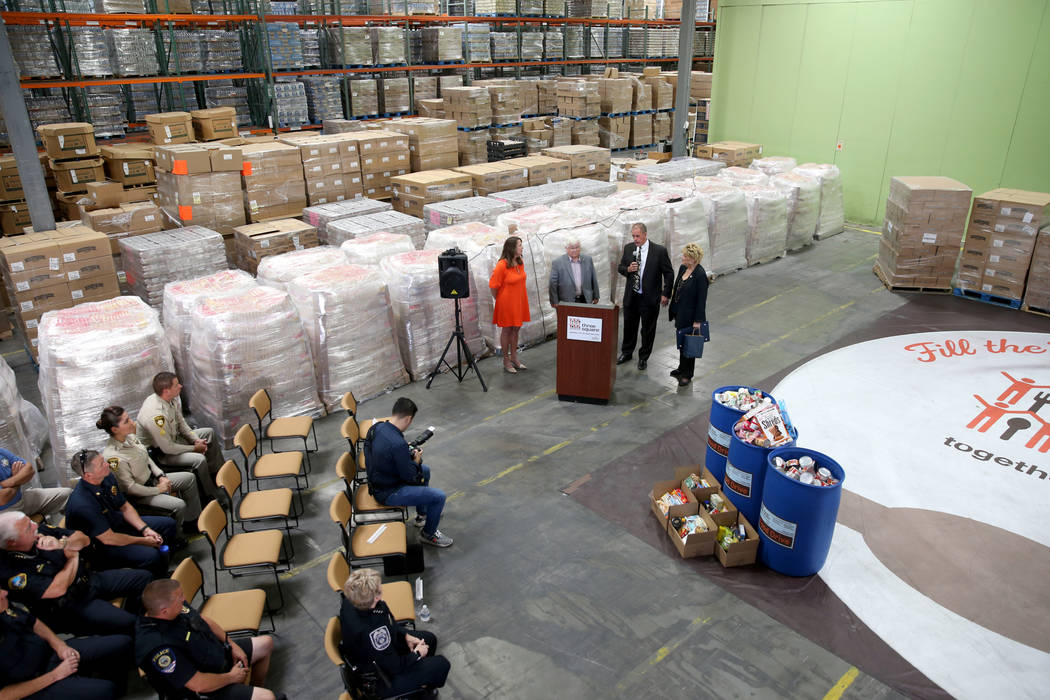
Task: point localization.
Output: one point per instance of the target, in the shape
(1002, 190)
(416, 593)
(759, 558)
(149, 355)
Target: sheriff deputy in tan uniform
(142, 481)
(161, 425)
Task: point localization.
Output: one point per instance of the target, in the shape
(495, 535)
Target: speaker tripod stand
(462, 352)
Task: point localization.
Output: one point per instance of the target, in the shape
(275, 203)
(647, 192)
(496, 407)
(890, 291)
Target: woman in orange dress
(507, 285)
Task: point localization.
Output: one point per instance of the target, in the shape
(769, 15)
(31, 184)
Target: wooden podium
(588, 337)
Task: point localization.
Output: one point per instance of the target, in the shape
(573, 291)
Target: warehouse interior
(866, 178)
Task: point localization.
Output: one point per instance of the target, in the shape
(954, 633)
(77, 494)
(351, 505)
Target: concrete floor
(540, 597)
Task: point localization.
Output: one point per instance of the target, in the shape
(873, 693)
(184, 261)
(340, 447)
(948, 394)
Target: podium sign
(588, 337)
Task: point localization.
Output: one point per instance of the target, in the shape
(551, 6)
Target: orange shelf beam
(508, 64)
(81, 19)
(138, 80)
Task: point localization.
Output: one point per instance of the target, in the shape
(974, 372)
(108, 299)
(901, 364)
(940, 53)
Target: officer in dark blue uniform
(187, 656)
(35, 663)
(124, 538)
(44, 569)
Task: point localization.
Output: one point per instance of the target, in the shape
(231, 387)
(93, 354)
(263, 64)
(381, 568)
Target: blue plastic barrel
(720, 431)
(797, 520)
(745, 475)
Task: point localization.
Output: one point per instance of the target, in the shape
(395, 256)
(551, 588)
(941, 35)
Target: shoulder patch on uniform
(159, 420)
(163, 660)
(17, 582)
(113, 462)
(185, 609)
(380, 638)
(113, 489)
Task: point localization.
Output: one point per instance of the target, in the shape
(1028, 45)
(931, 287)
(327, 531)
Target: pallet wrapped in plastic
(586, 187)
(132, 51)
(364, 97)
(31, 49)
(286, 47)
(349, 46)
(370, 249)
(774, 165)
(324, 97)
(686, 218)
(188, 51)
(394, 96)
(605, 212)
(803, 202)
(504, 46)
(321, 215)
(345, 312)
(743, 176)
(245, 341)
(832, 217)
(388, 45)
(152, 260)
(547, 195)
(177, 314)
(389, 221)
(476, 41)
(221, 50)
(442, 44)
(532, 45)
(676, 170)
(726, 225)
(593, 240)
(423, 320)
(767, 223)
(460, 211)
(93, 355)
(23, 428)
(483, 251)
(93, 56)
(278, 270)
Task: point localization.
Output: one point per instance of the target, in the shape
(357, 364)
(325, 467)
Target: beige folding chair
(349, 403)
(351, 432)
(397, 594)
(276, 465)
(361, 496)
(288, 428)
(366, 541)
(245, 553)
(267, 507)
(237, 612)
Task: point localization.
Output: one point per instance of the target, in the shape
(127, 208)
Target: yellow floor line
(761, 303)
(508, 470)
(661, 654)
(292, 573)
(865, 230)
(845, 682)
(765, 345)
(516, 406)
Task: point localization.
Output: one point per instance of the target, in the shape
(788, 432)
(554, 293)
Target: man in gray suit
(573, 277)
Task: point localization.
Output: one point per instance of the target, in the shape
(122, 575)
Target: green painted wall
(959, 88)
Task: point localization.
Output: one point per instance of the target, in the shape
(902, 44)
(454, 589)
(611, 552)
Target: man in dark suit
(649, 274)
(573, 277)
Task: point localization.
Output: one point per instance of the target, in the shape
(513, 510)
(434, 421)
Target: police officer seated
(370, 634)
(34, 663)
(187, 656)
(43, 568)
(122, 537)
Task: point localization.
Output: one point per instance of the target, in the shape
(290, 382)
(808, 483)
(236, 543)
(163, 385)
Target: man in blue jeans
(397, 475)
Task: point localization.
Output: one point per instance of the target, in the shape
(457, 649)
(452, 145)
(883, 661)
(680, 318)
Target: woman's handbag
(691, 340)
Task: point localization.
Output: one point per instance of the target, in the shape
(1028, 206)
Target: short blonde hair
(693, 251)
(362, 587)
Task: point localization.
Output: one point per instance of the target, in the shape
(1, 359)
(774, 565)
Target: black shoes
(675, 373)
(684, 381)
(623, 358)
(642, 364)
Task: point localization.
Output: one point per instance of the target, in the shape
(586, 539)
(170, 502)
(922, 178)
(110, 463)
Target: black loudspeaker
(452, 274)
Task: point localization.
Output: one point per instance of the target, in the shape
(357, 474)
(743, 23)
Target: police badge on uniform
(18, 581)
(380, 638)
(159, 420)
(163, 661)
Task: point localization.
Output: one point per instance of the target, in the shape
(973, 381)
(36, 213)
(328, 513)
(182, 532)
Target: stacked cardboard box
(113, 214)
(923, 231)
(586, 161)
(1037, 292)
(641, 95)
(167, 128)
(152, 261)
(214, 124)
(424, 87)
(129, 164)
(699, 85)
(495, 177)
(614, 132)
(577, 98)
(331, 167)
(546, 96)
(383, 155)
(431, 107)
(661, 127)
(274, 184)
(699, 121)
(432, 143)
(414, 191)
(473, 147)
(470, 107)
(641, 130)
(442, 44)
(394, 96)
(72, 155)
(14, 212)
(253, 242)
(506, 103)
(364, 97)
(615, 94)
(321, 216)
(49, 270)
(732, 153)
(200, 185)
(543, 169)
(537, 134)
(1000, 240)
(585, 132)
(663, 93)
(561, 130)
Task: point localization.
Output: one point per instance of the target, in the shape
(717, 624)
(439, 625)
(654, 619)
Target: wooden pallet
(1032, 310)
(906, 288)
(993, 299)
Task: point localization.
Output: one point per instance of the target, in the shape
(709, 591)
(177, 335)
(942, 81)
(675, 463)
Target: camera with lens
(415, 446)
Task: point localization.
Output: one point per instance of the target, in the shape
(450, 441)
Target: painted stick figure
(1043, 434)
(990, 414)
(1041, 399)
(1019, 387)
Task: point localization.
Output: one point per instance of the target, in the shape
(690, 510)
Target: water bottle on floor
(424, 614)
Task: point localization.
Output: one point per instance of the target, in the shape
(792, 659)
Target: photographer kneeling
(397, 475)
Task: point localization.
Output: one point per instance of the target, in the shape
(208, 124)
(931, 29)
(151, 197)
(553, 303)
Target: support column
(680, 123)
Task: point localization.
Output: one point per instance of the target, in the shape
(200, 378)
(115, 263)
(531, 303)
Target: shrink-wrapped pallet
(767, 223)
(774, 165)
(93, 55)
(132, 51)
(242, 342)
(546, 195)
(278, 270)
(23, 429)
(743, 176)
(726, 225)
(676, 170)
(389, 221)
(345, 311)
(93, 355)
(586, 187)
(485, 249)
(388, 45)
(606, 212)
(179, 299)
(373, 247)
(593, 240)
(832, 217)
(803, 203)
(364, 97)
(460, 211)
(442, 44)
(323, 214)
(349, 46)
(152, 260)
(686, 219)
(423, 320)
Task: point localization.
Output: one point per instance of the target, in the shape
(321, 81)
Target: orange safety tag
(185, 212)
(180, 168)
(247, 169)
